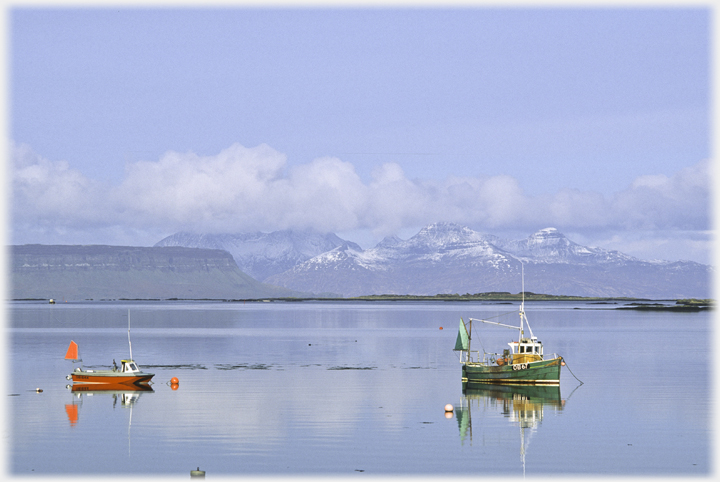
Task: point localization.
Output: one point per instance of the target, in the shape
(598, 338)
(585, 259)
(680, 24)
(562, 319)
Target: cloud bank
(253, 189)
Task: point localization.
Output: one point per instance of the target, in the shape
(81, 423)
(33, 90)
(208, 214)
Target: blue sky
(127, 125)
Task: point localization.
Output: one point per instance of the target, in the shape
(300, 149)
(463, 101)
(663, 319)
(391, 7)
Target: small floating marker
(441, 327)
(39, 390)
(197, 473)
(174, 386)
(449, 408)
(174, 381)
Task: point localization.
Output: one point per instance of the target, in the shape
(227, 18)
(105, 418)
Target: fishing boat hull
(542, 372)
(111, 378)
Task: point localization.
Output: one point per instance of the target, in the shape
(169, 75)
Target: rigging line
(481, 344)
(498, 316)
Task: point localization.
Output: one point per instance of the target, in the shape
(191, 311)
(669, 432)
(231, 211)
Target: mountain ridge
(442, 258)
(449, 258)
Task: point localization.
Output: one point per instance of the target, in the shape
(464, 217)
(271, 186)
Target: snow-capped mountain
(261, 255)
(449, 258)
(550, 246)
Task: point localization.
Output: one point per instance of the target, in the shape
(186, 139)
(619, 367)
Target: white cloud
(189, 190)
(247, 189)
(660, 202)
(47, 193)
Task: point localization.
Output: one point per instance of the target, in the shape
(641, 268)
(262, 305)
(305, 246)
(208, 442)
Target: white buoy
(449, 408)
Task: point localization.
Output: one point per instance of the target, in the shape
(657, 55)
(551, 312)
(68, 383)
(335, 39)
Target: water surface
(354, 387)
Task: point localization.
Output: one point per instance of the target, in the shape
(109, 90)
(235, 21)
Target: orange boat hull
(98, 379)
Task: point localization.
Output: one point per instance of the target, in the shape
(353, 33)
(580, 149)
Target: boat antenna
(129, 344)
(522, 268)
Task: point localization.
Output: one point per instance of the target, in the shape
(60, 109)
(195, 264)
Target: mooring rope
(576, 378)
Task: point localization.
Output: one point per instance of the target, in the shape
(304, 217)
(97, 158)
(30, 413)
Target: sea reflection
(127, 396)
(523, 406)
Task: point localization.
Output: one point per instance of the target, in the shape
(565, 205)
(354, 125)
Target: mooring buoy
(197, 473)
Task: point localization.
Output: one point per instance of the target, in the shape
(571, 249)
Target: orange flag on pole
(72, 353)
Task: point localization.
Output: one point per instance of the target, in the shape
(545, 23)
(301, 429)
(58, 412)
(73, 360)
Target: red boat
(127, 374)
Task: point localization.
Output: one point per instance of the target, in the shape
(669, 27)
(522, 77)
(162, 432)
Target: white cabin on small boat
(128, 366)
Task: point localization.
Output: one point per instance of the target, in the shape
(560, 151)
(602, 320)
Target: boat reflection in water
(524, 405)
(125, 394)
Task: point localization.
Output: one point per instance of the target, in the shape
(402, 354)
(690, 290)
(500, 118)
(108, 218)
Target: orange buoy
(441, 327)
(449, 408)
(174, 381)
(174, 386)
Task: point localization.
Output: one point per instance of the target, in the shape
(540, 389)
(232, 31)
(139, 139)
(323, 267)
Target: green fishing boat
(524, 363)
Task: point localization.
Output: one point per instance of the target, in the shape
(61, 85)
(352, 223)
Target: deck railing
(490, 358)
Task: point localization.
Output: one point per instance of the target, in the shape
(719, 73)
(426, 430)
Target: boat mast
(522, 303)
(523, 318)
(129, 344)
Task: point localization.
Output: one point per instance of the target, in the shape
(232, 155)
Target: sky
(127, 125)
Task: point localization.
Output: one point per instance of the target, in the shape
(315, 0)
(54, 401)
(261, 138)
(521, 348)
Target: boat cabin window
(133, 367)
(529, 349)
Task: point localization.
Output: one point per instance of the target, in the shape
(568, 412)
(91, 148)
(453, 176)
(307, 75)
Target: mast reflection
(523, 405)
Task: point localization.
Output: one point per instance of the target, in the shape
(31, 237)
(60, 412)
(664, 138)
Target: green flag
(462, 339)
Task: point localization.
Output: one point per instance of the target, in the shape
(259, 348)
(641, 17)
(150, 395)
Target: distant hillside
(263, 254)
(112, 272)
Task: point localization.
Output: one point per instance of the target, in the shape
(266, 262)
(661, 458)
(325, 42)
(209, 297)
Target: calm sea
(340, 389)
